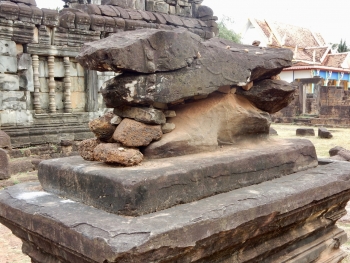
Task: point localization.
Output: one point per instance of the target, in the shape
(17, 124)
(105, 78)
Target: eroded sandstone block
(5, 140)
(177, 65)
(221, 119)
(145, 115)
(305, 132)
(4, 165)
(135, 134)
(114, 153)
(269, 95)
(324, 133)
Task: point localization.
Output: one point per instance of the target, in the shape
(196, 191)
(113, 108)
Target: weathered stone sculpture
(225, 90)
(194, 111)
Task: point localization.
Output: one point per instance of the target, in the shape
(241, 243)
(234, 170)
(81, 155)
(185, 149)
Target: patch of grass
(340, 137)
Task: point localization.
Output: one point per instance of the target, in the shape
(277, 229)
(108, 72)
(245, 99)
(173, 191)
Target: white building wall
(290, 76)
(287, 76)
(302, 74)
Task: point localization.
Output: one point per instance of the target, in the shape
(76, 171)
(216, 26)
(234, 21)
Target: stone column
(52, 84)
(37, 106)
(67, 86)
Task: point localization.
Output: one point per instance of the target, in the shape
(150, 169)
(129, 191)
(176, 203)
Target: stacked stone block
(35, 85)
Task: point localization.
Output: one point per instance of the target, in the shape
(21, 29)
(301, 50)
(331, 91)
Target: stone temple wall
(43, 90)
(331, 109)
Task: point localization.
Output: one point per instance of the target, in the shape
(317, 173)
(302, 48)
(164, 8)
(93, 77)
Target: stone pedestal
(267, 202)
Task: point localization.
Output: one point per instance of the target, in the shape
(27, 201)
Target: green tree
(342, 47)
(226, 33)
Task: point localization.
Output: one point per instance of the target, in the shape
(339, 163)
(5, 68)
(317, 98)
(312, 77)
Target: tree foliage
(226, 33)
(342, 47)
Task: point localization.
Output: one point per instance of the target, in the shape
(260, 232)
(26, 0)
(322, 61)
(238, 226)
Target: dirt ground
(10, 246)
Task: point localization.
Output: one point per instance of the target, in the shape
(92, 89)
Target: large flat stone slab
(288, 219)
(165, 66)
(159, 184)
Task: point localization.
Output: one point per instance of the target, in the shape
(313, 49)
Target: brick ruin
(45, 95)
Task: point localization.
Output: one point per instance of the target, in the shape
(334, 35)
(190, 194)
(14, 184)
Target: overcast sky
(330, 18)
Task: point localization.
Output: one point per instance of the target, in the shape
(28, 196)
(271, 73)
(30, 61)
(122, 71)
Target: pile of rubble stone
(119, 135)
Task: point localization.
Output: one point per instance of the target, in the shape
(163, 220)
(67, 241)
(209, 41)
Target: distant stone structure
(45, 95)
(327, 106)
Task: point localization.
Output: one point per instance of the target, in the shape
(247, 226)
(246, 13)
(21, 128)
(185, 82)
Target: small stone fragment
(102, 127)
(86, 149)
(114, 154)
(135, 134)
(66, 143)
(168, 127)
(305, 132)
(116, 120)
(145, 115)
(324, 133)
(248, 86)
(170, 114)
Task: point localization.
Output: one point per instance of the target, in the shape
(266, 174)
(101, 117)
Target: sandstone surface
(208, 66)
(5, 140)
(162, 183)
(288, 219)
(221, 119)
(135, 134)
(168, 127)
(324, 133)
(269, 95)
(4, 165)
(305, 132)
(141, 114)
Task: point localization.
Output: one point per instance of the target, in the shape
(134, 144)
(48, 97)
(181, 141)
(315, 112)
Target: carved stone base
(288, 219)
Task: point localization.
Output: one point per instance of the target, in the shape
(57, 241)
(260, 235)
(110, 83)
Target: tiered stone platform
(263, 202)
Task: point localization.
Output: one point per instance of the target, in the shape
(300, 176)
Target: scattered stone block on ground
(4, 165)
(305, 132)
(334, 151)
(324, 133)
(5, 140)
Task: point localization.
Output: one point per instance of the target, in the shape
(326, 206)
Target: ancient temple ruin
(183, 168)
(45, 95)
